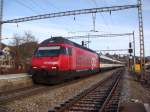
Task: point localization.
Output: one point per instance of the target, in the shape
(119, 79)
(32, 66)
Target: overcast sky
(125, 21)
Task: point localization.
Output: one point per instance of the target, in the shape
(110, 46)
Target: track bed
(103, 96)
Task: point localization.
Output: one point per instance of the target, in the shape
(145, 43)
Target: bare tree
(15, 49)
(17, 40)
(24, 47)
(28, 37)
(29, 45)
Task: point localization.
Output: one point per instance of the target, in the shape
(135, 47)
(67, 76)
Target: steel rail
(110, 94)
(84, 93)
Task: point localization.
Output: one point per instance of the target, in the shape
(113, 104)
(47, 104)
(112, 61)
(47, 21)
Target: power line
(111, 20)
(98, 36)
(106, 24)
(50, 4)
(31, 4)
(94, 1)
(26, 6)
(69, 13)
(36, 5)
(112, 50)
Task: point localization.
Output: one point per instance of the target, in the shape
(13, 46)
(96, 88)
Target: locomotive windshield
(48, 51)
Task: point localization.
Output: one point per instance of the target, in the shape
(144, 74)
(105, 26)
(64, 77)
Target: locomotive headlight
(54, 68)
(34, 67)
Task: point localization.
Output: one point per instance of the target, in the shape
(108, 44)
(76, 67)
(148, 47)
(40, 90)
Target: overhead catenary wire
(111, 50)
(111, 20)
(106, 25)
(37, 5)
(25, 5)
(101, 35)
(50, 4)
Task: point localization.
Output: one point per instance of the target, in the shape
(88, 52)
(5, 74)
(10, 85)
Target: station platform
(14, 81)
(14, 76)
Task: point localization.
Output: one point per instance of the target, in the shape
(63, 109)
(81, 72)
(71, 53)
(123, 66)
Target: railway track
(16, 94)
(102, 97)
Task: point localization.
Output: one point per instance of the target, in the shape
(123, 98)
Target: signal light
(130, 50)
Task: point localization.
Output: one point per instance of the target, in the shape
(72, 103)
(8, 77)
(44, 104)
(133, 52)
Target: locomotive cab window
(48, 51)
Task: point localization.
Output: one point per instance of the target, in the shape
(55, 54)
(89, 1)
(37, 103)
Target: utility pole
(1, 19)
(141, 36)
(134, 60)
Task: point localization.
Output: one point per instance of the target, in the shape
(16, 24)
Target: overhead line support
(141, 36)
(69, 13)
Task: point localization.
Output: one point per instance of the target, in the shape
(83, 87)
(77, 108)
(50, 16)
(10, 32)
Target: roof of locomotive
(59, 40)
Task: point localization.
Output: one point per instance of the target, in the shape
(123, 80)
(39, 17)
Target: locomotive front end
(45, 63)
(46, 58)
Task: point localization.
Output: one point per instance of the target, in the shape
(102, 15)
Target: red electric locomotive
(58, 59)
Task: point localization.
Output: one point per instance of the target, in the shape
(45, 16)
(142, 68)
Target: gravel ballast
(44, 101)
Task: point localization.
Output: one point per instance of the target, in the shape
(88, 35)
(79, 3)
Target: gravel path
(134, 95)
(44, 101)
(134, 90)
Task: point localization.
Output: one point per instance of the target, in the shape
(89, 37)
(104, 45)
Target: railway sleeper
(85, 109)
(95, 97)
(111, 109)
(99, 102)
(87, 105)
(90, 102)
(114, 101)
(95, 92)
(100, 91)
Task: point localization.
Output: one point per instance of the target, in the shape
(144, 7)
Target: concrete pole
(1, 19)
